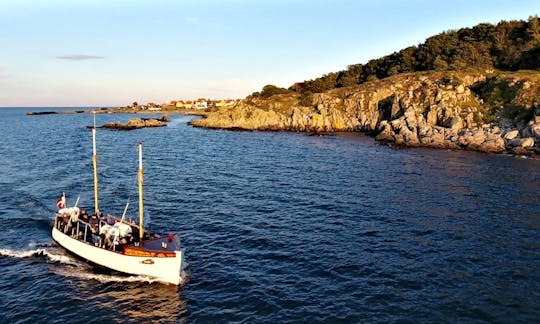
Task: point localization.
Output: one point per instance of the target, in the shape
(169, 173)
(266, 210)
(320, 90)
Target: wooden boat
(113, 243)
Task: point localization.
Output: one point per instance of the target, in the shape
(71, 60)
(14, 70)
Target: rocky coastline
(119, 110)
(481, 111)
(137, 123)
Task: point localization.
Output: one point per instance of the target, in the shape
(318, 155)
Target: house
(188, 104)
(230, 103)
(298, 86)
(153, 107)
(180, 104)
(220, 104)
(201, 104)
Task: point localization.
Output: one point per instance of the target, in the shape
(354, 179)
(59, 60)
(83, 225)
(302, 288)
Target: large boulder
(135, 123)
(386, 133)
(152, 122)
(521, 142)
(511, 134)
(534, 130)
(165, 119)
(118, 125)
(493, 144)
(456, 123)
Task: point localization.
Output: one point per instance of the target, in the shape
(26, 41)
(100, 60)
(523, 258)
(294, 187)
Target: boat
(114, 243)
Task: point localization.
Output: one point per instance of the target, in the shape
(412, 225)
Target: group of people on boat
(104, 231)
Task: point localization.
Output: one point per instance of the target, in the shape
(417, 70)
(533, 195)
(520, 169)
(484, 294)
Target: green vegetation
(268, 91)
(502, 96)
(305, 99)
(507, 46)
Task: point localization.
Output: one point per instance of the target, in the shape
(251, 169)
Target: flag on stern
(61, 202)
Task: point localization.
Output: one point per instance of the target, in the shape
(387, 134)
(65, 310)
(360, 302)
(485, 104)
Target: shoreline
(200, 123)
(118, 110)
(390, 144)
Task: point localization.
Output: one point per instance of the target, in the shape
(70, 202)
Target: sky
(70, 53)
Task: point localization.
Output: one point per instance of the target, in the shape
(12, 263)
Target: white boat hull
(164, 269)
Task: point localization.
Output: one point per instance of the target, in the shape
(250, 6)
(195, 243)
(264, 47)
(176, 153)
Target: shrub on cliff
(507, 98)
(305, 99)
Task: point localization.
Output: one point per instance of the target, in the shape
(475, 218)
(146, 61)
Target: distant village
(199, 104)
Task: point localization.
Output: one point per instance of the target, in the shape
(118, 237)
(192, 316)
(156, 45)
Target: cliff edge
(485, 111)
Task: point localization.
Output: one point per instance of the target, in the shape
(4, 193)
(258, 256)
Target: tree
(346, 79)
(529, 59)
(533, 29)
(509, 45)
(270, 90)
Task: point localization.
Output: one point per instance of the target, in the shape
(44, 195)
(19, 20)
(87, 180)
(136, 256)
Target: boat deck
(164, 243)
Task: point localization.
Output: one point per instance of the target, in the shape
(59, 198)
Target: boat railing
(80, 230)
(95, 237)
(91, 234)
(84, 231)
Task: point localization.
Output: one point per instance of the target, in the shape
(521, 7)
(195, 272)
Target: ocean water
(277, 226)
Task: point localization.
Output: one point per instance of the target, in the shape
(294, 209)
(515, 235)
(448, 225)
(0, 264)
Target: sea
(277, 227)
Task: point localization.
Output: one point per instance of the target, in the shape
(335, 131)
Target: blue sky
(111, 53)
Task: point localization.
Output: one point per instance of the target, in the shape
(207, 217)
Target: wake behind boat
(115, 243)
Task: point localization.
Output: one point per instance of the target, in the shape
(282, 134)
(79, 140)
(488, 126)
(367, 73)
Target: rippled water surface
(277, 227)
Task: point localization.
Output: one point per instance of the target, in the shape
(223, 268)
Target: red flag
(61, 202)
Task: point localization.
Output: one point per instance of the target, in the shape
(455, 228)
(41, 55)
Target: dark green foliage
(324, 83)
(530, 60)
(509, 45)
(439, 64)
(268, 91)
(349, 77)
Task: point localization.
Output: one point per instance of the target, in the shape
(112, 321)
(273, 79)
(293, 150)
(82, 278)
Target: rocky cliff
(484, 111)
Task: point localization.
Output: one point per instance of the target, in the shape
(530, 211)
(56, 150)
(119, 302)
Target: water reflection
(135, 299)
(141, 302)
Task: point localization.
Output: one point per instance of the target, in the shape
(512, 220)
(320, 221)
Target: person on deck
(84, 216)
(94, 225)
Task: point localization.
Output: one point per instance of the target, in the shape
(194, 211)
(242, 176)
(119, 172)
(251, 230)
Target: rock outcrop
(453, 110)
(136, 123)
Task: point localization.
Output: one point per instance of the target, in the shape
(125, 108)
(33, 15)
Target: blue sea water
(277, 226)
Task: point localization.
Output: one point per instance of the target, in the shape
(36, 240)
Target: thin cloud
(80, 57)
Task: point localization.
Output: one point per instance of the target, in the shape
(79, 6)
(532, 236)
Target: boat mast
(94, 162)
(140, 182)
